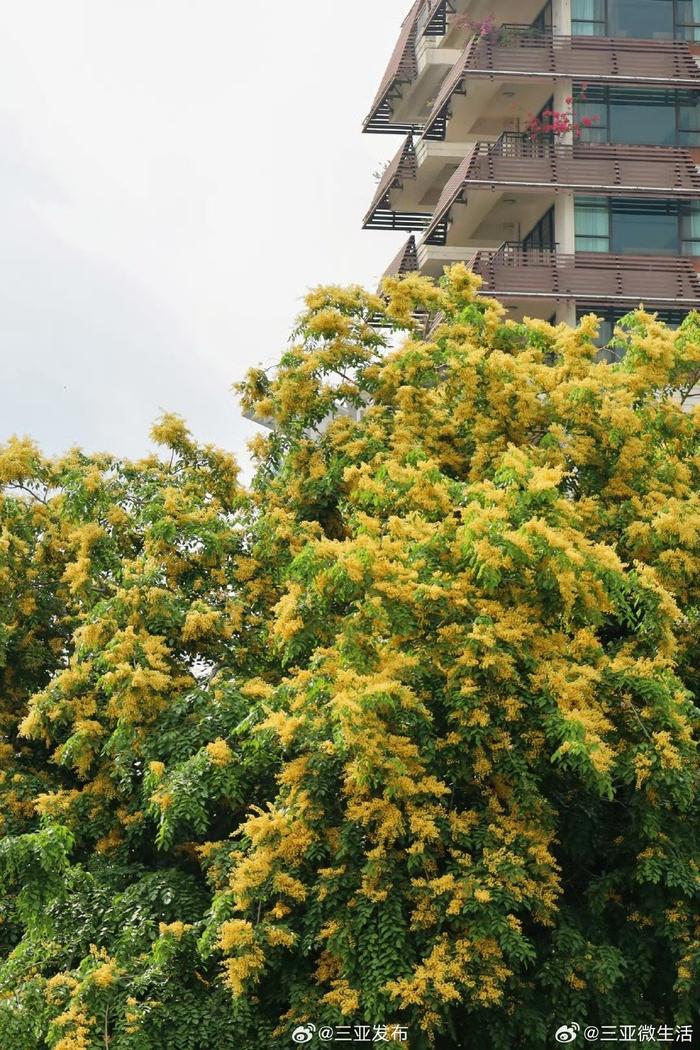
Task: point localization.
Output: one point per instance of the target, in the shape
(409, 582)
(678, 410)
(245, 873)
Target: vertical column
(564, 229)
(561, 17)
(565, 237)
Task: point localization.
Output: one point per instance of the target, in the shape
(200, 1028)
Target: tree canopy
(404, 731)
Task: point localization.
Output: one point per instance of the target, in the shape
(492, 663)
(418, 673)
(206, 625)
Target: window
(639, 227)
(688, 119)
(646, 19)
(644, 118)
(596, 108)
(690, 229)
(542, 234)
(631, 226)
(543, 22)
(688, 19)
(592, 224)
(589, 18)
(649, 118)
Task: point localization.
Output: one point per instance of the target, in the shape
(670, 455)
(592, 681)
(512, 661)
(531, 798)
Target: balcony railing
(382, 215)
(520, 51)
(405, 260)
(402, 70)
(514, 272)
(433, 18)
(529, 53)
(516, 160)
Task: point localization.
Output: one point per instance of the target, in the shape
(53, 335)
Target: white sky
(173, 175)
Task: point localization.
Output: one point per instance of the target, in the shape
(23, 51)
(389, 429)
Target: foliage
(403, 733)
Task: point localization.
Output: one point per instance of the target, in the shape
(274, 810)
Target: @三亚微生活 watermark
(624, 1033)
(350, 1033)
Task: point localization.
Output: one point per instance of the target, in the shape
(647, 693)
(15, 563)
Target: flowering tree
(404, 733)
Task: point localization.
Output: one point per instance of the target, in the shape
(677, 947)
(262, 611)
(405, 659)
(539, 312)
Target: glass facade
(644, 19)
(543, 22)
(641, 117)
(631, 226)
(589, 18)
(648, 19)
(688, 19)
(542, 234)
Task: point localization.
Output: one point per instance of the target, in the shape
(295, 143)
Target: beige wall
(561, 17)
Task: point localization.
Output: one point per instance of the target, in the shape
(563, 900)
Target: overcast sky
(173, 175)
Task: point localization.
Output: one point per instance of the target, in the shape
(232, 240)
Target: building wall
(483, 101)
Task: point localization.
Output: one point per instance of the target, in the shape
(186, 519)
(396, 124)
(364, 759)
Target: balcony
(650, 171)
(383, 214)
(519, 53)
(515, 162)
(591, 278)
(405, 261)
(415, 71)
(410, 187)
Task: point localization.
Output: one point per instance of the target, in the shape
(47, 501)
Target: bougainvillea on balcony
(555, 124)
(485, 27)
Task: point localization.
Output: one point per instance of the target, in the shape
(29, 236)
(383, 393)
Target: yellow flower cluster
(175, 929)
(219, 752)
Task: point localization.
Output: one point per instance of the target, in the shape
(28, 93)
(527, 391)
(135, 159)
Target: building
(553, 148)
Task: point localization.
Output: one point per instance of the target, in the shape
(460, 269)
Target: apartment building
(553, 148)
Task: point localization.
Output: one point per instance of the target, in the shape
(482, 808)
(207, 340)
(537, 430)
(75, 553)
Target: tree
(403, 733)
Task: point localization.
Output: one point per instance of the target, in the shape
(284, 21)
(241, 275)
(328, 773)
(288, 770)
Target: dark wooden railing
(518, 160)
(381, 214)
(524, 51)
(516, 272)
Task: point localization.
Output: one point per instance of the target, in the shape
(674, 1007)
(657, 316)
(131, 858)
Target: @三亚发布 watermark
(350, 1033)
(625, 1033)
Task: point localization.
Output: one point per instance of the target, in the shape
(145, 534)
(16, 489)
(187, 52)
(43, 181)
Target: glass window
(690, 228)
(595, 110)
(542, 234)
(689, 119)
(645, 120)
(592, 223)
(641, 117)
(628, 226)
(588, 18)
(639, 227)
(688, 19)
(647, 19)
(543, 22)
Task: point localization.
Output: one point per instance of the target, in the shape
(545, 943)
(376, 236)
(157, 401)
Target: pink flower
(586, 122)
